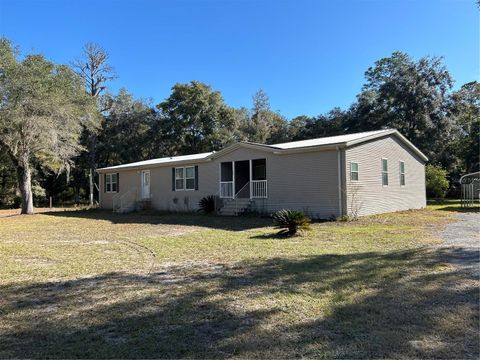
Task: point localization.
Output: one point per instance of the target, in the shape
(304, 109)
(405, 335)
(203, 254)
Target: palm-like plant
(291, 221)
(207, 204)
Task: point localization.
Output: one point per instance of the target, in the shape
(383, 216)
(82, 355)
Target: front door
(146, 184)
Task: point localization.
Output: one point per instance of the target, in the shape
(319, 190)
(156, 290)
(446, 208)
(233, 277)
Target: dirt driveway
(464, 235)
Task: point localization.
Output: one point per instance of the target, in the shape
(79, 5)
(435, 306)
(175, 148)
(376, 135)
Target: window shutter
(173, 179)
(104, 183)
(118, 182)
(196, 177)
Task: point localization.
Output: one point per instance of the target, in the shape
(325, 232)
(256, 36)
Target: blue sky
(309, 56)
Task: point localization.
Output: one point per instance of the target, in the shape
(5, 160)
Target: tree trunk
(25, 183)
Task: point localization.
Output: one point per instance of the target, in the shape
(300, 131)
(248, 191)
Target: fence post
(90, 177)
(50, 202)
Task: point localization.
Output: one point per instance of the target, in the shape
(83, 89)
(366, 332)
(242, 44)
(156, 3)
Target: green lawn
(93, 284)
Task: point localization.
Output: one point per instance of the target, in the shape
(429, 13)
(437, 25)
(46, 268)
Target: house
(356, 174)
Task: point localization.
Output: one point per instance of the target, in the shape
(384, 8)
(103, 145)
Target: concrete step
(234, 208)
(237, 209)
(238, 202)
(229, 213)
(125, 210)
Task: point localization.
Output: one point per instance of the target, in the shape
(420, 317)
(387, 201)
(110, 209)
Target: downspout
(100, 186)
(339, 177)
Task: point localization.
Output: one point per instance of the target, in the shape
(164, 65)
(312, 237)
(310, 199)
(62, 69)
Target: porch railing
(124, 201)
(259, 189)
(226, 189)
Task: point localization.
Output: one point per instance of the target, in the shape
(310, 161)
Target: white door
(146, 184)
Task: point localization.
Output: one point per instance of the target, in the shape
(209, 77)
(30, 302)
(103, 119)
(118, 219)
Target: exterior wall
(162, 196)
(129, 179)
(367, 195)
(303, 181)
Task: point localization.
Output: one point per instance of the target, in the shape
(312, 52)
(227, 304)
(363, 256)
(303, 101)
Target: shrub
(436, 181)
(39, 194)
(343, 218)
(17, 202)
(207, 204)
(291, 221)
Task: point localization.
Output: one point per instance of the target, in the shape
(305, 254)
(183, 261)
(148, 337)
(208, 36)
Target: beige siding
(304, 181)
(129, 179)
(368, 195)
(163, 198)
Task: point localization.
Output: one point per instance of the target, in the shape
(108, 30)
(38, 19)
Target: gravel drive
(464, 236)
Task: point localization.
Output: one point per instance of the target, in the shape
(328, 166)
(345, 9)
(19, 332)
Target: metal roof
(159, 161)
(330, 140)
(282, 148)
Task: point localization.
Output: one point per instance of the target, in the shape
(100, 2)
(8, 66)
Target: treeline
(413, 96)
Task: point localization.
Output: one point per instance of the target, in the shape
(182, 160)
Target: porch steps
(234, 207)
(124, 209)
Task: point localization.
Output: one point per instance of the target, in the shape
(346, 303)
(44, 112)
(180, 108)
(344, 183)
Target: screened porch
(243, 179)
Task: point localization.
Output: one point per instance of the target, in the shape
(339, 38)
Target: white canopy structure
(470, 186)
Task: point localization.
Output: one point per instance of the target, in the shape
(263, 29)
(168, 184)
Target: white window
(111, 183)
(402, 173)
(384, 172)
(185, 178)
(354, 171)
(190, 178)
(179, 179)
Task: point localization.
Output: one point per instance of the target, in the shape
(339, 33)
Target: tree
(43, 110)
(465, 111)
(265, 126)
(409, 96)
(94, 69)
(8, 184)
(195, 118)
(297, 127)
(436, 181)
(126, 131)
(329, 124)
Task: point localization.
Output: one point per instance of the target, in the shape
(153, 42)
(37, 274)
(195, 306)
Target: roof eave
(238, 145)
(388, 133)
(309, 149)
(149, 166)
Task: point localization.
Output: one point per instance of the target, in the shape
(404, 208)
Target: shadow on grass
(367, 305)
(453, 205)
(473, 209)
(281, 234)
(158, 218)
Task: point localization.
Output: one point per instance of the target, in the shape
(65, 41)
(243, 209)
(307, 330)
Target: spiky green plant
(207, 204)
(291, 221)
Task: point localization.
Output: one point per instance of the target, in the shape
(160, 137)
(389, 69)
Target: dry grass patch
(96, 285)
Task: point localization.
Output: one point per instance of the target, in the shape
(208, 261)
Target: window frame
(189, 178)
(384, 172)
(184, 178)
(354, 172)
(109, 183)
(402, 173)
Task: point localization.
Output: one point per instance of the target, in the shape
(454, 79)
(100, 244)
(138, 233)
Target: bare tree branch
(94, 69)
